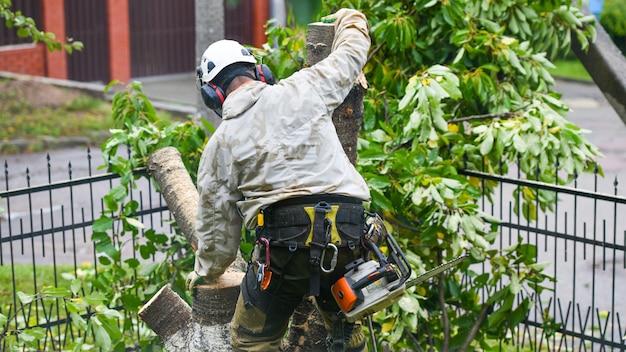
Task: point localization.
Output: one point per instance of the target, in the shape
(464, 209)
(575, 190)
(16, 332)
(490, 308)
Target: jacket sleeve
(333, 77)
(218, 221)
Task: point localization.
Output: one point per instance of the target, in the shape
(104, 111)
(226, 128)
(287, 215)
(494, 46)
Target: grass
(21, 118)
(30, 113)
(23, 277)
(570, 69)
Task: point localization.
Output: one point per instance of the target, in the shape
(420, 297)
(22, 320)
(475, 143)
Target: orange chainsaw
(372, 285)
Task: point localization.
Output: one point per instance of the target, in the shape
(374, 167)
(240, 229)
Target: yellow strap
(334, 234)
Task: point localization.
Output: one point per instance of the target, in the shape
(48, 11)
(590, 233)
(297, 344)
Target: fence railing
(48, 212)
(45, 232)
(582, 235)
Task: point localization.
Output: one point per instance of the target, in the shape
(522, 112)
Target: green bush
(613, 21)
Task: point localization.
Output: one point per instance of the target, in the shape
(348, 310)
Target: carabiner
(266, 244)
(333, 261)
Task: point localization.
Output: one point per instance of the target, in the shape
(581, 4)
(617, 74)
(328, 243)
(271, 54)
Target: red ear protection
(264, 74)
(212, 95)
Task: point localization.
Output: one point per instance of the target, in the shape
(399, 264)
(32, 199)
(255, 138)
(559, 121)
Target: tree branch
(488, 116)
(472, 332)
(444, 312)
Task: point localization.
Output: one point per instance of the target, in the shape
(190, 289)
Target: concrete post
(209, 29)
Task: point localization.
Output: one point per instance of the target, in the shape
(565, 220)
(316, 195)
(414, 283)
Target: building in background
(122, 39)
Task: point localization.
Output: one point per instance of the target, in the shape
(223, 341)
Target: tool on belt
(320, 223)
(372, 285)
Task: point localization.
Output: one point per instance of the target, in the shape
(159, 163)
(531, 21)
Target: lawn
(570, 69)
(23, 276)
(32, 112)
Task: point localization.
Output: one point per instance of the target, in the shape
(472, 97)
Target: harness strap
(318, 243)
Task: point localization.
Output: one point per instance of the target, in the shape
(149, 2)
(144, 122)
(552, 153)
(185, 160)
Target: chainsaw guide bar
(436, 270)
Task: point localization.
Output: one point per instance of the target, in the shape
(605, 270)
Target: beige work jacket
(277, 142)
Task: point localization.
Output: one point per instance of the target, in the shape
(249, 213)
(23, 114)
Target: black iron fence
(582, 234)
(45, 234)
(48, 213)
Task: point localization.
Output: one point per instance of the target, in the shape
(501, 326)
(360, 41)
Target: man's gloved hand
(193, 280)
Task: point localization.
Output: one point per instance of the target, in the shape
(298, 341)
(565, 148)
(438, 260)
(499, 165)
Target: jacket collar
(242, 99)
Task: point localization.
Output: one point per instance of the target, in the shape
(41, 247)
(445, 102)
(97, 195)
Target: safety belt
(321, 236)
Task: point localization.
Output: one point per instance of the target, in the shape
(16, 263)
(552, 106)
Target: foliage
(612, 19)
(103, 302)
(453, 85)
(571, 69)
(462, 85)
(304, 11)
(27, 28)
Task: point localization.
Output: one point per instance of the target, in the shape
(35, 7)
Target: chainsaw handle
(369, 245)
(398, 257)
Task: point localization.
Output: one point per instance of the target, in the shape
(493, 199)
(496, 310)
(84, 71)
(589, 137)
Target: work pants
(262, 316)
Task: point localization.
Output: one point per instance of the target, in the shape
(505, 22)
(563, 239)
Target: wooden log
(177, 188)
(169, 316)
(180, 327)
(607, 66)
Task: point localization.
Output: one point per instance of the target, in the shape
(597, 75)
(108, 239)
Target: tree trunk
(177, 189)
(607, 66)
(307, 332)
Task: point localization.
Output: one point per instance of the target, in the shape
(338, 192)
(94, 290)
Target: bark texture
(177, 188)
(348, 117)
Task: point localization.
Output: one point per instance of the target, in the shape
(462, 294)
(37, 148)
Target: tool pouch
(288, 224)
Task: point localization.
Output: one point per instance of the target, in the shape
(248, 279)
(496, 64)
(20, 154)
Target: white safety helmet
(219, 55)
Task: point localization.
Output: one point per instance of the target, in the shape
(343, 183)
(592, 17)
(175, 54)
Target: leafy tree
(27, 28)
(612, 19)
(461, 85)
(453, 85)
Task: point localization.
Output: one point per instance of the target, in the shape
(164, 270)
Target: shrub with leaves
(102, 303)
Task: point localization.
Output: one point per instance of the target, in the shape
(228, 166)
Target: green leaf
(95, 298)
(409, 304)
(515, 286)
(101, 335)
(76, 286)
(487, 144)
(102, 224)
(32, 335)
(131, 302)
(135, 223)
(24, 298)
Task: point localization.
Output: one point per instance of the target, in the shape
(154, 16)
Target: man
(276, 161)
